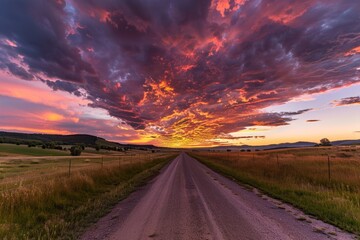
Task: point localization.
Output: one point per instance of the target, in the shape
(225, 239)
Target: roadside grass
(299, 179)
(61, 207)
(23, 171)
(6, 149)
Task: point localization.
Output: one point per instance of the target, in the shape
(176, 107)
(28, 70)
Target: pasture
(16, 150)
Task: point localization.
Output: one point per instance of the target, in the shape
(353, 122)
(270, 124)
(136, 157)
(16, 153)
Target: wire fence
(22, 171)
(323, 166)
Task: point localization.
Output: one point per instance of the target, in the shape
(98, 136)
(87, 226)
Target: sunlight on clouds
(353, 51)
(52, 117)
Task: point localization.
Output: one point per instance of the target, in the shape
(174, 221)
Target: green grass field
(300, 177)
(11, 149)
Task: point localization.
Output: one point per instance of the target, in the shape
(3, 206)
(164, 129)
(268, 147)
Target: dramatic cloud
(64, 86)
(347, 101)
(184, 71)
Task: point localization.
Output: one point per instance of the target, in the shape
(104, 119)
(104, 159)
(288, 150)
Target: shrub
(75, 150)
(325, 142)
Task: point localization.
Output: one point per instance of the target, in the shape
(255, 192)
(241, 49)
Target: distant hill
(63, 139)
(88, 140)
(286, 145)
(346, 142)
(270, 146)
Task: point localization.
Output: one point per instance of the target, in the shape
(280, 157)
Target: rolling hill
(85, 139)
(300, 144)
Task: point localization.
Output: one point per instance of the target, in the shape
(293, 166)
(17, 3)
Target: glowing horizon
(182, 73)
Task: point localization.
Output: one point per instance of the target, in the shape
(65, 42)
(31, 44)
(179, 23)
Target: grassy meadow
(14, 150)
(302, 177)
(41, 199)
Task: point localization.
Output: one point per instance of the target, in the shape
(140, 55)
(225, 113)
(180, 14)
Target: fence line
(328, 162)
(46, 169)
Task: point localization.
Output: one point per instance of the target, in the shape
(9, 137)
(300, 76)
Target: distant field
(11, 149)
(302, 177)
(55, 197)
(20, 171)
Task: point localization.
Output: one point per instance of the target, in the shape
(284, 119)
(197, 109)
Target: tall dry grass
(26, 171)
(300, 177)
(59, 207)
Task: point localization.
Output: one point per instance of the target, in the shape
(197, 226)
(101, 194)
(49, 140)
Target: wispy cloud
(347, 101)
(312, 120)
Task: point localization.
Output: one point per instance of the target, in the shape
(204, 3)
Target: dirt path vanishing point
(188, 201)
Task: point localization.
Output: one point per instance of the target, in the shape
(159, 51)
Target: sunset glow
(182, 73)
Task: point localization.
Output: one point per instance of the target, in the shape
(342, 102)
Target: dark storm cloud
(347, 101)
(16, 70)
(64, 86)
(39, 30)
(6, 53)
(158, 63)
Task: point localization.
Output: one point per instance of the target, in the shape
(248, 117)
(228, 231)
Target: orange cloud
(222, 6)
(353, 51)
(238, 4)
(52, 117)
(286, 18)
(164, 86)
(35, 130)
(186, 68)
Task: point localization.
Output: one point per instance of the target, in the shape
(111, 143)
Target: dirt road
(190, 201)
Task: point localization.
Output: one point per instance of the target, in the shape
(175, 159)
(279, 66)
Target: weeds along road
(190, 201)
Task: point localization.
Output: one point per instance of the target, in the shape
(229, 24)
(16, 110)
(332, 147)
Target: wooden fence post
(329, 170)
(69, 167)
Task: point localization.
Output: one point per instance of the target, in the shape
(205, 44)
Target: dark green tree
(325, 142)
(75, 150)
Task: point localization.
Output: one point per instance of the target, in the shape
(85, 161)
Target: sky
(182, 73)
